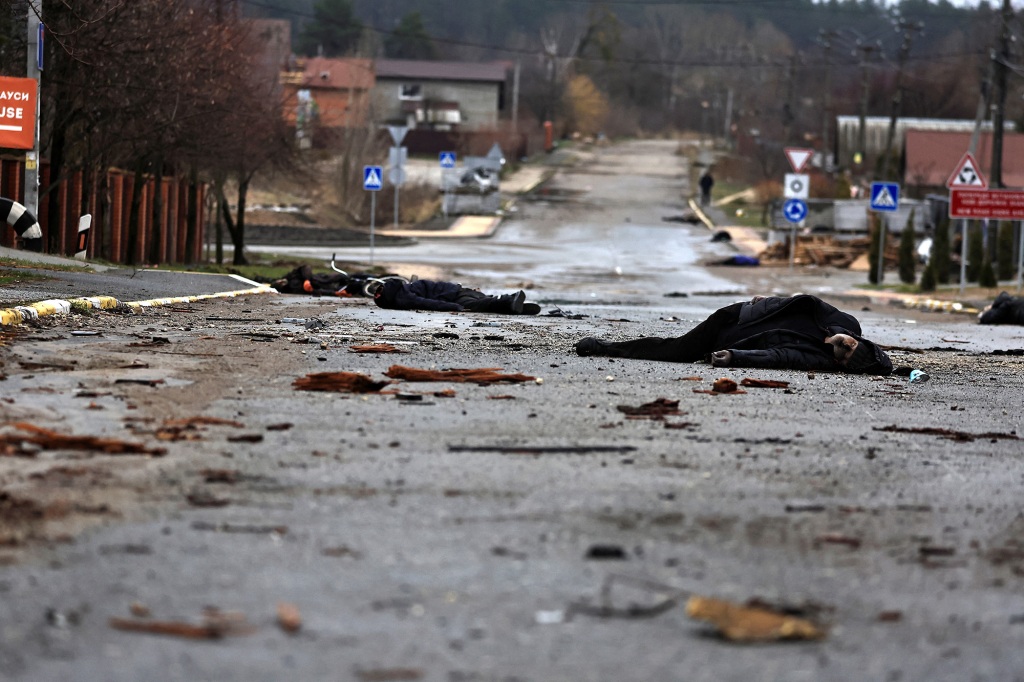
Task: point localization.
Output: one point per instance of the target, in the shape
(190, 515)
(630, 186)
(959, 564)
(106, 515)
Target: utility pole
(999, 103)
(897, 97)
(865, 51)
(788, 116)
(33, 64)
(825, 38)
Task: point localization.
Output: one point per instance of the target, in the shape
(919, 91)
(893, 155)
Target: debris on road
(763, 383)
(721, 386)
(542, 450)
(838, 539)
(657, 409)
(960, 436)
(481, 376)
(751, 623)
(186, 429)
(215, 624)
(918, 377)
(14, 444)
(339, 382)
(288, 617)
(606, 553)
(376, 348)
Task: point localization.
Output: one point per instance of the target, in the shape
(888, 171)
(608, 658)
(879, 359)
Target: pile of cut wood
(825, 250)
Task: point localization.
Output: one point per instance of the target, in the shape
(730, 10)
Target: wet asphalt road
(124, 284)
(462, 538)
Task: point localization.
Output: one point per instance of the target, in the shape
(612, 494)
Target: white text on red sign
(991, 204)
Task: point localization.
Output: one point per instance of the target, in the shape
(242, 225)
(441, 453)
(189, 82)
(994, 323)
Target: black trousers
(692, 346)
(479, 302)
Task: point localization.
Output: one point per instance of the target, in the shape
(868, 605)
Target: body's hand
(843, 346)
(721, 358)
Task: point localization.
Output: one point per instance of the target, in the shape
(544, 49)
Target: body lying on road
(796, 332)
(1005, 309)
(428, 294)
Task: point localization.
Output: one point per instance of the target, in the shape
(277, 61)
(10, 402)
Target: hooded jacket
(1005, 309)
(790, 332)
(420, 294)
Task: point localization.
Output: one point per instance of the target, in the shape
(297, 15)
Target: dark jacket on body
(789, 332)
(420, 294)
(1005, 309)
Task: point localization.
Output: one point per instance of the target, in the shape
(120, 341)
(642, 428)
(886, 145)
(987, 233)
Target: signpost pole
(792, 246)
(881, 247)
(1020, 255)
(964, 226)
(32, 71)
(372, 181)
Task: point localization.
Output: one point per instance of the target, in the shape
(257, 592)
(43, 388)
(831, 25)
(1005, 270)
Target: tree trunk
(138, 187)
(192, 226)
(238, 234)
(159, 227)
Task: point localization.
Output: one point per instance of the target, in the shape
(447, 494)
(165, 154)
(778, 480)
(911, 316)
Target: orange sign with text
(17, 113)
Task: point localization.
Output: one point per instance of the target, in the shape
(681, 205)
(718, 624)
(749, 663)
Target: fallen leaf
(482, 376)
(339, 382)
(764, 383)
(288, 617)
(215, 625)
(656, 409)
(750, 624)
(52, 440)
(375, 348)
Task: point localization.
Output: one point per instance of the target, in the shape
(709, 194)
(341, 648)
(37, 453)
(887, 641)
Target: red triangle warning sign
(967, 175)
(798, 158)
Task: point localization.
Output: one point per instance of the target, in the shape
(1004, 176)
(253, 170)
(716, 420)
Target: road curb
(33, 311)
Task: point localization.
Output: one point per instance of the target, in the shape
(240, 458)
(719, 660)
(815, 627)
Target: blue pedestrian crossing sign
(373, 178)
(794, 210)
(885, 196)
(447, 159)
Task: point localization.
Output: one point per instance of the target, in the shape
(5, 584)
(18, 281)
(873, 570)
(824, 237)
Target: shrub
(987, 276)
(928, 278)
(908, 259)
(1005, 254)
(940, 253)
(975, 252)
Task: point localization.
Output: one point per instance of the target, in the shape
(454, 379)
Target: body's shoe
(591, 346)
(531, 309)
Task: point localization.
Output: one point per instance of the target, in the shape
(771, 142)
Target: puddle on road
(554, 194)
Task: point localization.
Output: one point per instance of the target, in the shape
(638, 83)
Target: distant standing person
(706, 183)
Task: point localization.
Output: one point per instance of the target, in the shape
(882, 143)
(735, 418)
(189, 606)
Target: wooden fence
(171, 238)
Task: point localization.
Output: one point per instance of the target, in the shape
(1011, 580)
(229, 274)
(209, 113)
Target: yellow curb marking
(22, 313)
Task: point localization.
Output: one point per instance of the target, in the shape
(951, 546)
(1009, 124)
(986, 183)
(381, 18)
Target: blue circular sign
(794, 210)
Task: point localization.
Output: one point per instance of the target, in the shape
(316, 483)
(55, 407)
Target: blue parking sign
(373, 178)
(885, 196)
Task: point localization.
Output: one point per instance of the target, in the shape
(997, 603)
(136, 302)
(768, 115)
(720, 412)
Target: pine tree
(939, 259)
(908, 259)
(975, 253)
(928, 278)
(987, 275)
(1005, 252)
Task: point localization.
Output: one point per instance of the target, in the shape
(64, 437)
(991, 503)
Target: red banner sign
(991, 204)
(17, 113)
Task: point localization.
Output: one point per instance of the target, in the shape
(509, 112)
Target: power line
(780, 63)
